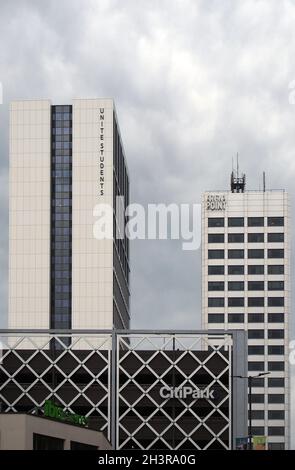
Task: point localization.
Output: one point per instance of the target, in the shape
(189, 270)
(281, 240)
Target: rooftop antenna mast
(237, 183)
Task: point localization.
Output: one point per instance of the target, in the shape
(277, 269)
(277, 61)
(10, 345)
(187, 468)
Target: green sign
(53, 411)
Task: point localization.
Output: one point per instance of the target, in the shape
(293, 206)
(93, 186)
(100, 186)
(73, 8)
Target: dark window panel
(255, 237)
(215, 222)
(276, 382)
(275, 253)
(215, 270)
(215, 254)
(255, 334)
(255, 221)
(276, 334)
(235, 254)
(275, 285)
(215, 318)
(255, 301)
(235, 285)
(216, 238)
(235, 238)
(256, 254)
(216, 302)
(255, 350)
(236, 318)
(235, 270)
(275, 221)
(255, 285)
(276, 366)
(276, 301)
(215, 285)
(275, 237)
(255, 318)
(275, 269)
(236, 221)
(256, 269)
(236, 302)
(276, 318)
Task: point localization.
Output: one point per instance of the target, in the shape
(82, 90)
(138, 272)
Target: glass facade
(61, 217)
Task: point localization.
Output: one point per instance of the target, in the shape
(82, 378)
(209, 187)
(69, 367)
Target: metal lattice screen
(147, 364)
(75, 374)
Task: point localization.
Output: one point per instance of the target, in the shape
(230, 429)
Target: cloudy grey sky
(194, 82)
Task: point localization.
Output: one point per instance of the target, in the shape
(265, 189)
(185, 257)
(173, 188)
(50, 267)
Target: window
(256, 269)
(255, 221)
(235, 318)
(215, 285)
(276, 382)
(276, 430)
(215, 318)
(252, 366)
(275, 253)
(275, 285)
(255, 350)
(276, 398)
(235, 238)
(255, 237)
(257, 398)
(255, 318)
(276, 334)
(275, 237)
(215, 270)
(236, 270)
(255, 285)
(276, 446)
(255, 334)
(216, 254)
(275, 269)
(258, 430)
(235, 254)
(236, 221)
(215, 222)
(215, 238)
(42, 442)
(235, 285)
(276, 414)
(236, 302)
(276, 366)
(82, 446)
(216, 302)
(258, 382)
(276, 318)
(255, 254)
(276, 350)
(257, 414)
(256, 302)
(276, 301)
(275, 221)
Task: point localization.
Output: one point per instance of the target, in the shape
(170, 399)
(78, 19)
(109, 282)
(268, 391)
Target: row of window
(259, 350)
(271, 414)
(251, 253)
(240, 269)
(240, 285)
(240, 318)
(273, 382)
(271, 334)
(240, 302)
(251, 221)
(272, 366)
(271, 398)
(240, 238)
(271, 430)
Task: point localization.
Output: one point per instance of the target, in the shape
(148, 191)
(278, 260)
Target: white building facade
(246, 285)
(64, 161)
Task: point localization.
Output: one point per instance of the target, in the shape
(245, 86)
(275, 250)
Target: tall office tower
(64, 161)
(246, 285)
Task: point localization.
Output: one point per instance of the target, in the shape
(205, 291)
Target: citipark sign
(187, 392)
